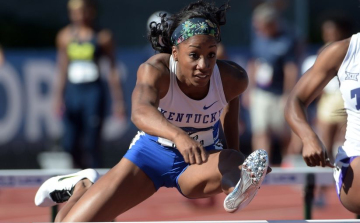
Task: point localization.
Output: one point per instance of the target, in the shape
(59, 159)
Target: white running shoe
(253, 173)
(60, 188)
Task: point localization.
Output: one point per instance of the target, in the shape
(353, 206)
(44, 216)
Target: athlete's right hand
(192, 151)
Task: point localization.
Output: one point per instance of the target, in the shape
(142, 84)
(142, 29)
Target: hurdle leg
(309, 195)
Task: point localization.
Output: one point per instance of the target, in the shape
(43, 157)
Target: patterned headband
(192, 27)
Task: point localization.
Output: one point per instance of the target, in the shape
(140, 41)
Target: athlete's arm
(305, 91)
(235, 81)
(106, 42)
(151, 85)
(62, 64)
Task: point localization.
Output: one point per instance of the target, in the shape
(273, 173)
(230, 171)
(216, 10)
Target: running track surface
(271, 203)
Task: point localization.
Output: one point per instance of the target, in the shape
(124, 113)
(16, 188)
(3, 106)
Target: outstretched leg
(60, 188)
(120, 189)
(80, 188)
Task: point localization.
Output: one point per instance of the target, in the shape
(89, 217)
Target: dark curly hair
(160, 33)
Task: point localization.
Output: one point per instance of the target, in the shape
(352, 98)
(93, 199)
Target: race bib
(82, 72)
(205, 138)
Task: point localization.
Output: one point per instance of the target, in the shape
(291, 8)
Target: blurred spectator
(273, 72)
(80, 93)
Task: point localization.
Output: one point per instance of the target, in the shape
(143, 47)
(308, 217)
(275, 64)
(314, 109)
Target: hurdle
(308, 177)
(264, 221)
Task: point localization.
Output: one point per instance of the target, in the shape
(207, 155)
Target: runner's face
(196, 58)
(330, 32)
(82, 15)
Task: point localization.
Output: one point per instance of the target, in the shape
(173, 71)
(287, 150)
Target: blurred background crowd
(67, 70)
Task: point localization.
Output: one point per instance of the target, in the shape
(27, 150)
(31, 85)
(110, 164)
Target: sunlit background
(28, 29)
(30, 132)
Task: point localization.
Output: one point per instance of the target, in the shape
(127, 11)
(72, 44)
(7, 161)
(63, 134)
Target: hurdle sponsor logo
(21, 181)
(7, 181)
(285, 178)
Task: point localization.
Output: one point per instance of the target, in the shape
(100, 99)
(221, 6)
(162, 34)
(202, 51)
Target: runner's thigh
(205, 180)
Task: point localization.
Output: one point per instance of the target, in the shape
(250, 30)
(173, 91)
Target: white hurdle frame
(306, 176)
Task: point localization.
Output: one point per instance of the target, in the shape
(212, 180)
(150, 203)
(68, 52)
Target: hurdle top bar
(263, 221)
(278, 176)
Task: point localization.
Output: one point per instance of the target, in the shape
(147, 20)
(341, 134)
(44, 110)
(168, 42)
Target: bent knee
(230, 159)
(232, 156)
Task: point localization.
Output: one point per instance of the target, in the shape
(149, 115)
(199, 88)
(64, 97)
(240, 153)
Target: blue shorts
(162, 164)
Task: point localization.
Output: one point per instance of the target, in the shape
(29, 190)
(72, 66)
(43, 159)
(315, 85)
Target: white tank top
(350, 89)
(194, 115)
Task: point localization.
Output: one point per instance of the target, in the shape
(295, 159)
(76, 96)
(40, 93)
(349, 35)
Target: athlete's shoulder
(159, 61)
(338, 46)
(155, 68)
(63, 30)
(231, 68)
(232, 72)
(332, 56)
(234, 78)
(63, 36)
(155, 71)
